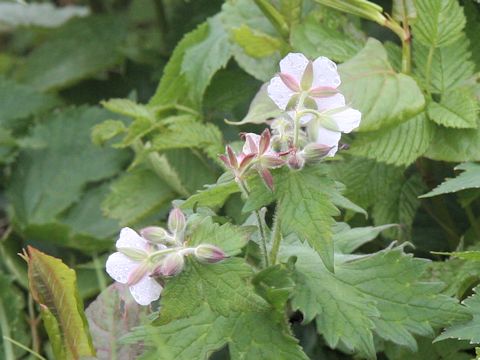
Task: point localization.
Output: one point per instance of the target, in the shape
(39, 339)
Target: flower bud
(172, 264)
(313, 152)
(209, 253)
(295, 161)
(176, 221)
(156, 234)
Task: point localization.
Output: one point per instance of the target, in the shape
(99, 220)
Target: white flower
(317, 81)
(130, 266)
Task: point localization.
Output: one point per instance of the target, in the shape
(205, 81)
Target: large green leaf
(135, 196)
(48, 180)
(113, 314)
(371, 85)
(319, 37)
(439, 22)
(256, 44)
(468, 179)
(400, 145)
(12, 325)
(456, 109)
(19, 101)
(469, 330)
(53, 286)
(209, 306)
(379, 294)
(60, 61)
(213, 196)
(202, 60)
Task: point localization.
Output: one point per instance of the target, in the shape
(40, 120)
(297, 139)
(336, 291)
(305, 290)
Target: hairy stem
(20, 345)
(33, 321)
(276, 238)
(261, 228)
(298, 116)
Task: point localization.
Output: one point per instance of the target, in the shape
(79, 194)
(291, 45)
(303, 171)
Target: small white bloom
(130, 266)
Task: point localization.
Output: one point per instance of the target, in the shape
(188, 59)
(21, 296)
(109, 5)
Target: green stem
(406, 42)
(33, 320)
(298, 116)
(275, 18)
(99, 272)
(261, 229)
(7, 346)
(20, 345)
(428, 68)
(276, 238)
(473, 221)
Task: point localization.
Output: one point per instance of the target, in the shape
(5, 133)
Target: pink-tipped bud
(176, 221)
(272, 161)
(172, 264)
(209, 253)
(290, 82)
(264, 143)
(267, 178)
(156, 235)
(232, 158)
(313, 152)
(295, 161)
(307, 78)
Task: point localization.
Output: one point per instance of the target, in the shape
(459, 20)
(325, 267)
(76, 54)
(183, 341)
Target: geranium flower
(316, 84)
(131, 266)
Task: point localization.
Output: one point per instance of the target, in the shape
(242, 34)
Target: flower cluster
(142, 259)
(315, 116)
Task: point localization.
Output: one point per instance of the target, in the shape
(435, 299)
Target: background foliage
(110, 110)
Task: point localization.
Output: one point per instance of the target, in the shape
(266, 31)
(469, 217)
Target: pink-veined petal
(252, 142)
(347, 120)
(279, 92)
(130, 239)
(146, 290)
(294, 64)
(325, 73)
(331, 102)
(329, 138)
(120, 266)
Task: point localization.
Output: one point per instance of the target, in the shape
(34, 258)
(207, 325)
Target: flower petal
(347, 119)
(330, 102)
(252, 142)
(120, 266)
(146, 290)
(279, 92)
(325, 73)
(329, 138)
(294, 64)
(130, 239)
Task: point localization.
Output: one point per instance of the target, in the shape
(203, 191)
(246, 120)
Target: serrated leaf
(129, 108)
(468, 179)
(469, 330)
(371, 85)
(66, 162)
(256, 44)
(46, 15)
(404, 9)
(472, 12)
(363, 8)
(230, 238)
(112, 315)
(439, 22)
(217, 305)
(184, 131)
(305, 205)
(456, 109)
(400, 145)
(379, 294)
(53, 286)
(315, 38)
(60, 62)
(450, 66)
(19, 101)
(202, 60)
(347, 239)
(136, 195)
(455, 145)
(213, 196)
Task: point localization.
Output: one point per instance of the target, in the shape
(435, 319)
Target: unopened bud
(156, 234)
(313, 152)
(295, 161)
(272, 161)
(209, 253)
(172, 264)
(176, 221)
